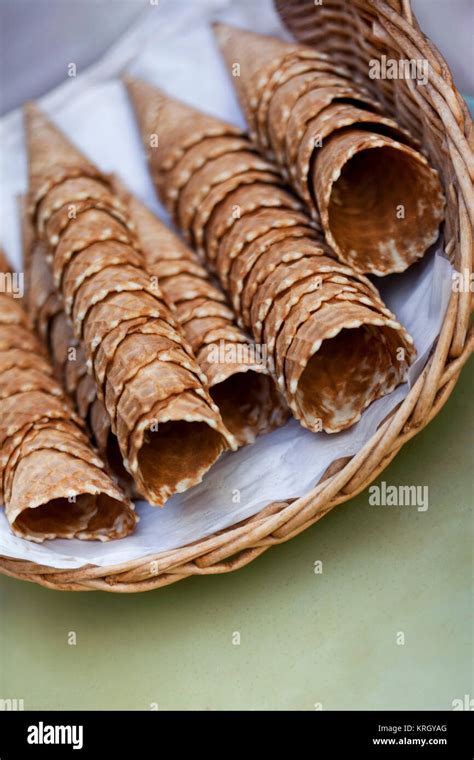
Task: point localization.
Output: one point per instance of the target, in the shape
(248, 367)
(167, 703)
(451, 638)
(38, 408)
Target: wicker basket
(353, 31)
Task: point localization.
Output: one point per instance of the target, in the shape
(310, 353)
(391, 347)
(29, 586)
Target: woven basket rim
(241, 543)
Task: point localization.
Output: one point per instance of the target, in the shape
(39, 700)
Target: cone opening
(380, 211)
(346, 374)
(177, 456)
(61, 518)
(240, 399)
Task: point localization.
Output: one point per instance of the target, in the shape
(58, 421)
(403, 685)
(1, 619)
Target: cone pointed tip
(221, 31)
(136, 85)
(218, 26)
(33, 115)
(132, 81)
(30, 108)
(129, 82)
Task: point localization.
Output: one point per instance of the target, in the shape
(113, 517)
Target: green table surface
(330, 640)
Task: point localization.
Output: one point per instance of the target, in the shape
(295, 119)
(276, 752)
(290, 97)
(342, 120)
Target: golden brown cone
(38, 501)
(359, 170)
(381, 243)
(76, 500)
(39, 286)
(52, 157)
(245, 389)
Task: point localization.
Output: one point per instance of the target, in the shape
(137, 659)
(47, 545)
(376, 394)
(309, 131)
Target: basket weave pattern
(352, 32)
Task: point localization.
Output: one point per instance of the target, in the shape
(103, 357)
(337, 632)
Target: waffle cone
(60, 338)
(307, 305)
(81, 500)
(53, 482)
(340, 342)
(242, 388)
(196, 308)
(252, 51)
(163, 448)
(357, 171)
(70, 435)
(280, 116)
(234, 401)
(38, 277)
(52, 158)
(320, 73)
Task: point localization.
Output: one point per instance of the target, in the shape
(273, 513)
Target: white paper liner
(176, 48)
